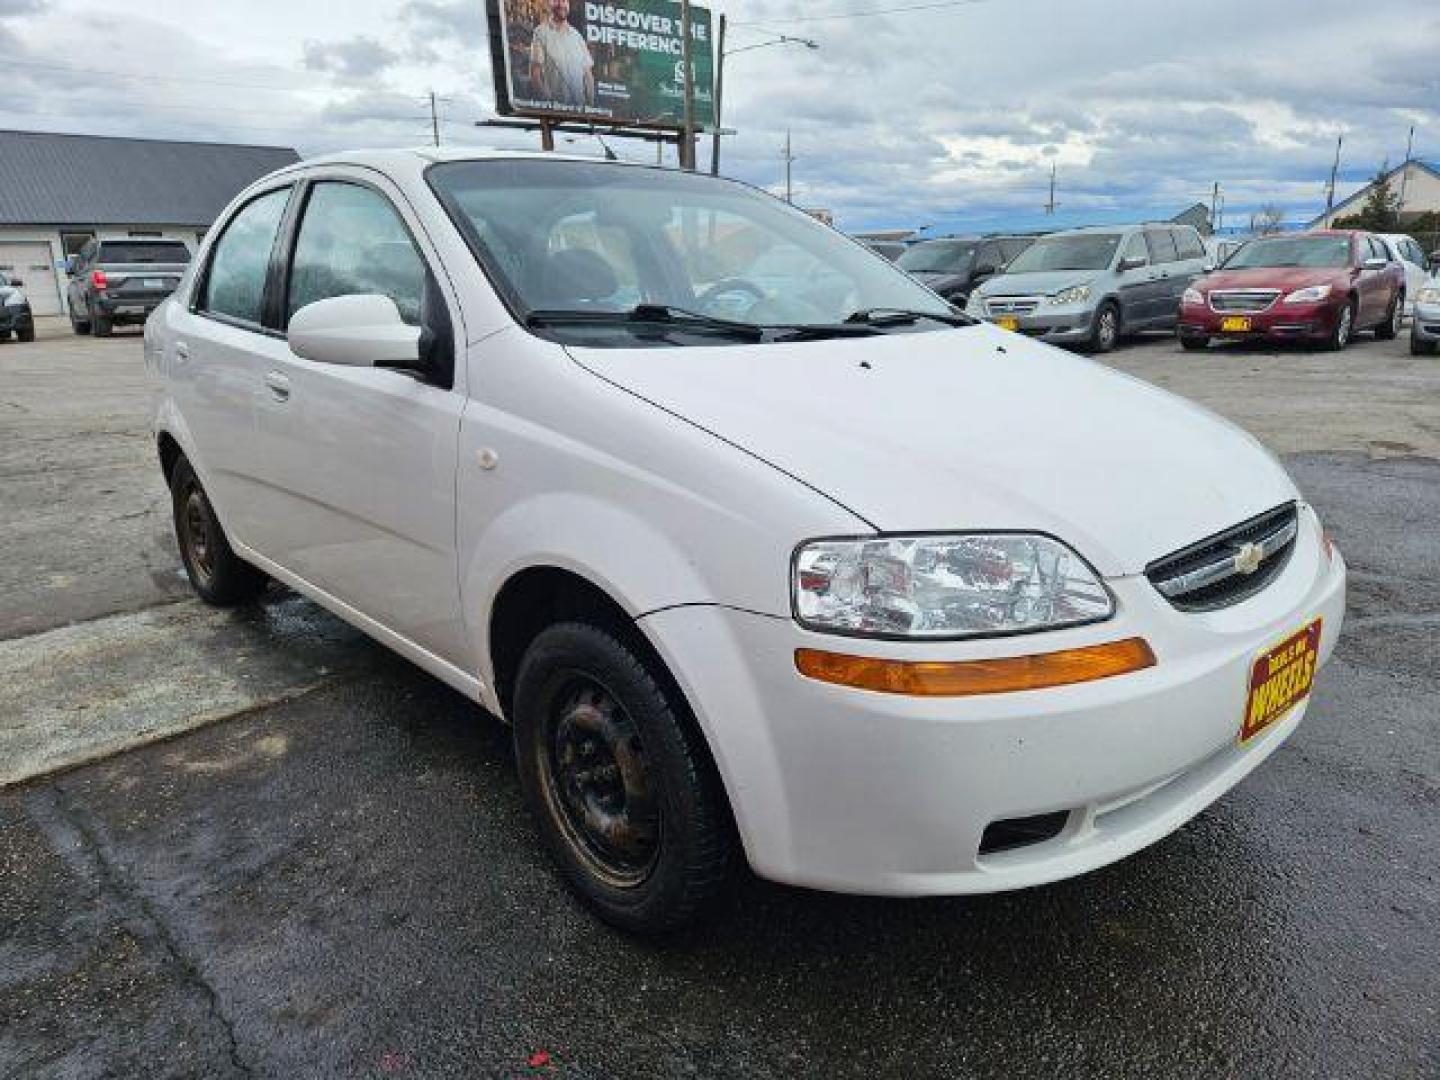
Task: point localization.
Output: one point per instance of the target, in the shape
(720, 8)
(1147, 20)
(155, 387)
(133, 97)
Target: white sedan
(811, 570)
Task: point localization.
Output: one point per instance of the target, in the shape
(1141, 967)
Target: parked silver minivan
(1087, 287)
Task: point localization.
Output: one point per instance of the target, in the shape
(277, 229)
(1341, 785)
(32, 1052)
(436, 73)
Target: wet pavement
(344, 883)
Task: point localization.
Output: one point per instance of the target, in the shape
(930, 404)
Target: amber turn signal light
(959, 678)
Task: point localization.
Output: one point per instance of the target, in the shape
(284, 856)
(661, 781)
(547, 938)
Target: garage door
(31, 264)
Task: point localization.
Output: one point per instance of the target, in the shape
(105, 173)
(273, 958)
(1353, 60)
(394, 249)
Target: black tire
(1422, 348)
(80, 326)
(1389, 330)
(1105, 329)
(26, 334)
(618, 779)
(218, 575)
(1194, 343)
(1344, 328)
(100, 325)
(4, 335)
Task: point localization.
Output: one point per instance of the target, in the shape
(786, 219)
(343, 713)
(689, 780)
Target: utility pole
(1334, 170)
(789, 157)
(719, 90)
(1215, 208)
(1405, 169)
(434, 119)
(687, 134)
(1050, 203)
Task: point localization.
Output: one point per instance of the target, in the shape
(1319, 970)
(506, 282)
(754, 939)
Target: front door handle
(279, 385)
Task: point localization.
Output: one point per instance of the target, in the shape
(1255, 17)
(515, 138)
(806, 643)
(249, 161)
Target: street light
(779, 39)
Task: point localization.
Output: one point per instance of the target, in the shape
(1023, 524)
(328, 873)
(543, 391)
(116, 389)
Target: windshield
(143, 251)
(566, 237)
(1314, 251)
(1082, 251)
(937, 257)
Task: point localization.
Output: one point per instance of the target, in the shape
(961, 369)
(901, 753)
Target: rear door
(220, 350)
(1165, 272)
(358, 463)
(1136, 286)
(1375, 289)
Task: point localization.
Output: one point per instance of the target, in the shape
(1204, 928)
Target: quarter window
(1188, 242)
(1135, 248)
(352, 242)
(235, 286)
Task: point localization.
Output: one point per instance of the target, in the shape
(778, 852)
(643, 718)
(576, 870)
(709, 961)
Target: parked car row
(119, 282)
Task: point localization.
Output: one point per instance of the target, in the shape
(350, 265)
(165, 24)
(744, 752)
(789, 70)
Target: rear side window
(142, 251)
(1189, 245)
(352, 242)
(235, 286)
(1162, 246)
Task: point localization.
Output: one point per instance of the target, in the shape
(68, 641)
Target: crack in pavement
(79, 843)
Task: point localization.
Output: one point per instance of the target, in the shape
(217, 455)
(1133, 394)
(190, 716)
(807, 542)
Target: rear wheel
(1390, 328)
(26, 333)
(101, 325)
(618, 778)
(219, 575)
(1344, 324)
(80, 326)
(1194, 342)
(1105, 331)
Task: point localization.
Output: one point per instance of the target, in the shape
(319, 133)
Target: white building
(58, 191)
(1418, 182)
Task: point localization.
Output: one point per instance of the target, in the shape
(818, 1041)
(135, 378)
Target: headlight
(1073, 295)
(1192, 296)
(1428, 295)
(1311, 295)
(945, 586)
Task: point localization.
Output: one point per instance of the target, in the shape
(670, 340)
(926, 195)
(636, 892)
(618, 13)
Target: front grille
(1228, 567)
(1243, 299)
(1012, 305)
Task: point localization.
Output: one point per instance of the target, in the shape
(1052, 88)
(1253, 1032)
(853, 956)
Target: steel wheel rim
(195, 527)
(1108, 329)
(598, 784)
(1342, 333)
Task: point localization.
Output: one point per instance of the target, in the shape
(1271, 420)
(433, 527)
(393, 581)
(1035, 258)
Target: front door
(359, 462)
(1138, 285)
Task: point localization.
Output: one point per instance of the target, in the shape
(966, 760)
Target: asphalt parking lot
(256, 844)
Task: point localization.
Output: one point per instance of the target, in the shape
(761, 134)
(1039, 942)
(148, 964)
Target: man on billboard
(561, 68)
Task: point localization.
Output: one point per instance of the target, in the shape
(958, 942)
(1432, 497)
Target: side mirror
(1375, 264)
(1134, 262)
(358, 331)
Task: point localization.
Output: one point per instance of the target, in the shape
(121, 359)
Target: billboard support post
(687, 152)
(719, 90)
(547, 135)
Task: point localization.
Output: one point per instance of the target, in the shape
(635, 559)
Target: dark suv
(115, 282)
(953, 265)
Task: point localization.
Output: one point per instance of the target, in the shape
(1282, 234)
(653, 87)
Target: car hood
(1040, 283)
(1285, 278)
(970, 429)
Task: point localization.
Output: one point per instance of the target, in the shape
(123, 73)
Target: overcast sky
(948, 117)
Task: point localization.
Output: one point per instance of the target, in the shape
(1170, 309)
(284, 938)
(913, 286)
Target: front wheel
(1344, 323)
(1389, 330)
(26, 334)
(1422, 348)
(80, 326)
(618, 779)
(220, 576)
(1105, 332)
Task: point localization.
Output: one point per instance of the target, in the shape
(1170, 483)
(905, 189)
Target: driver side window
(1135, 249)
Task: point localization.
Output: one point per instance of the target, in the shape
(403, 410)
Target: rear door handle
(279, 384)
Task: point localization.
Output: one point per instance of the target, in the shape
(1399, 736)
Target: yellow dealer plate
(1279, 679)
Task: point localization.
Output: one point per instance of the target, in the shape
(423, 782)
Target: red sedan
(1320, 287)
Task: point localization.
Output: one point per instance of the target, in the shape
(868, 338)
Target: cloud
(355, 58)
(10, 8)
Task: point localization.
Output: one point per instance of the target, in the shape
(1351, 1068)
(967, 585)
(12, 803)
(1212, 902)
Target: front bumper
(1053, 323)
(854, 791)
(1279, 322)
(1426, 325)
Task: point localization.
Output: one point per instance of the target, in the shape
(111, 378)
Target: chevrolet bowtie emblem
(1248, 558)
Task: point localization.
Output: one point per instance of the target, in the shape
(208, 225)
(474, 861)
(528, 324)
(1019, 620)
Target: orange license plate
(1235, 324)
(1279, 679)
(1008, 322)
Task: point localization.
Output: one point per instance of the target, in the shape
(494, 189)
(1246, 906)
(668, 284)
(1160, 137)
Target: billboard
(600, 61)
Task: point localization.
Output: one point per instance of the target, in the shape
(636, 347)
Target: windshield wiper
(649, 314)
(884, 316)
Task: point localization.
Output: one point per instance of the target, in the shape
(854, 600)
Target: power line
(863, 14)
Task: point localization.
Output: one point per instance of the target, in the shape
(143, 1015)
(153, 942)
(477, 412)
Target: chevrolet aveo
(762, 549)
